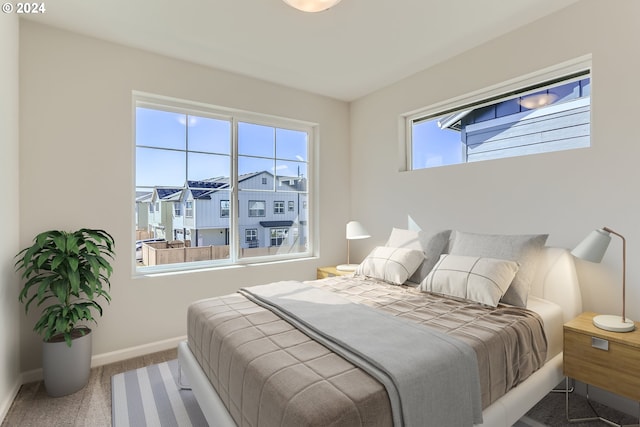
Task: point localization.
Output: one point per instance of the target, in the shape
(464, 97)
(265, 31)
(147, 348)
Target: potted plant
(68, 274)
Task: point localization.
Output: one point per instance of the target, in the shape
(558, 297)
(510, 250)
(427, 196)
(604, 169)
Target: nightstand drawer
(616, 369)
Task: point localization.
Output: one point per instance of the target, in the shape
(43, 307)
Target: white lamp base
(347, 267)
(613, 323)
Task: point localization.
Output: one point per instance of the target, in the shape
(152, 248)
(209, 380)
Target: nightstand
(324, 272)
(609, 360)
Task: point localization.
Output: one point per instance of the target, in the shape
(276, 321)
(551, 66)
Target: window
(291, 206)
(543, 116)
(257, 208)
(278, 236)
(217, 160)
(251, 237)
(224, 209)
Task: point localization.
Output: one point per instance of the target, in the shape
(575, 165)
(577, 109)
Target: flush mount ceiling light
(538, 100)
(312, 5)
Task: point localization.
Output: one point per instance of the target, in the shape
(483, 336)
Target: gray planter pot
(66, 369)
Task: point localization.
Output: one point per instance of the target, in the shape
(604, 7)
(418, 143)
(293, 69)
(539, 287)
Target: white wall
(9, 214)
(566, 194)
(76, 169)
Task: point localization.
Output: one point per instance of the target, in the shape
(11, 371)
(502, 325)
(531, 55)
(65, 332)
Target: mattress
(268, 373)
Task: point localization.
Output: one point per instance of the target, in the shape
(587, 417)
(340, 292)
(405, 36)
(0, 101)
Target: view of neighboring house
(535, 120)
(160, 209)
(553, 119)
(272, 211)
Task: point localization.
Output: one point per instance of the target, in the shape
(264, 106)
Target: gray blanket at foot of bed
(422, 370)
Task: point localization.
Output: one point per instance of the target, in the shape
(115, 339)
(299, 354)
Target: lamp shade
(312, 5)
(355, 230)
(593, 247)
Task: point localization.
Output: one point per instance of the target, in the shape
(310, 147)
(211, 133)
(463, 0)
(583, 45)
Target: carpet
(150, 396)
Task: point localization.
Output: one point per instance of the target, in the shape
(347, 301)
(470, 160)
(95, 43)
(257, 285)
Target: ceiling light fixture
(538, 100)
(312, 5)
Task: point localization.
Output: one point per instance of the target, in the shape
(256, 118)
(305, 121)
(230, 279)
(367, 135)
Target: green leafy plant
(70, 271)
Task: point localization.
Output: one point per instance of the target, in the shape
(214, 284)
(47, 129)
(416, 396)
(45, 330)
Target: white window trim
(146, 99)
(583, 63)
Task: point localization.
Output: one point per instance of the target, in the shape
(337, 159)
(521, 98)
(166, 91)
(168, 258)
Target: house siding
(558, 127)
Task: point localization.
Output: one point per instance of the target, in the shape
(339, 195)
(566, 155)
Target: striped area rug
(150, 396)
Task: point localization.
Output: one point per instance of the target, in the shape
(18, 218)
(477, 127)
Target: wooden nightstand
(324, 272)
(609, 360)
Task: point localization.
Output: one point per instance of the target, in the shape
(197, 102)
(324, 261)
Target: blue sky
(279, 151)
(433, 146)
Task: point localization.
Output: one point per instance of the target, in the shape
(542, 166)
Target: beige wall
(9, 214)
(76, 169)
(565, 194)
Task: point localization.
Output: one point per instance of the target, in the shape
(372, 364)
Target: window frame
(188, 209)
(263, 210)
(250, 231)
(159, 102)
(281, 233)
(574, 69)
(223, 209)
(278, 207)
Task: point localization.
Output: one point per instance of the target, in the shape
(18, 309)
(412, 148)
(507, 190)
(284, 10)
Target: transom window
(543, 116)
(208, 162)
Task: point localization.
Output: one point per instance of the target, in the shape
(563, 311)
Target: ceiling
(346, 52)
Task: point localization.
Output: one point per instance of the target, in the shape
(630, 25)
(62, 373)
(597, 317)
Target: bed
(553, 298)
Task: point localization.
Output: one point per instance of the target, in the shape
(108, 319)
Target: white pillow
(393, 265)
(484, 280)
(431, 245)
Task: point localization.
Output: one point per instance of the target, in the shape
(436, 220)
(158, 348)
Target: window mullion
(234, 241)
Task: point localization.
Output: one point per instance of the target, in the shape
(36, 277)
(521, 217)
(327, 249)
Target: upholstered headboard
(556, 280)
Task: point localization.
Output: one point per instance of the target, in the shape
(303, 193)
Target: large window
(542, 116)
(207, 163)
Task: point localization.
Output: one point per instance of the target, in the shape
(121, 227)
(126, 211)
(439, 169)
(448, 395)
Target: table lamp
(592, 248)
(355, 231)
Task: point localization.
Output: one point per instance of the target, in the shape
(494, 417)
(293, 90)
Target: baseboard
(131, 352)
(114, 356)
(5, 405)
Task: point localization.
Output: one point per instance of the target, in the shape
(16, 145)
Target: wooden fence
(159, 253)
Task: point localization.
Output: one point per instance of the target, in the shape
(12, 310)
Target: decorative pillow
(393, 265)
(523, 249)
(432, 246)
(483, 280)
